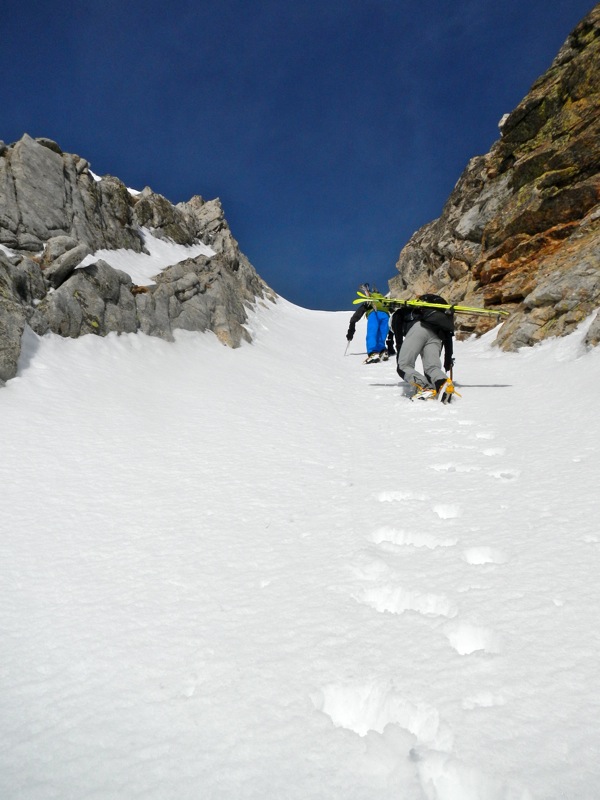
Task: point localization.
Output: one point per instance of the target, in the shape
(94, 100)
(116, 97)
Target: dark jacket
(358, 314)
(402, 321)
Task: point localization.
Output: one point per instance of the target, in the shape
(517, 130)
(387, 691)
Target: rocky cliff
(55, 214)
(520, 230)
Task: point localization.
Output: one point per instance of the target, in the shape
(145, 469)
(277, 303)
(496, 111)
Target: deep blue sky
(330, 129)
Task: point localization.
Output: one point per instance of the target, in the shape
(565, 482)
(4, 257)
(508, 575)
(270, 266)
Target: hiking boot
(445, 391)
(423, 393)
(372, 358)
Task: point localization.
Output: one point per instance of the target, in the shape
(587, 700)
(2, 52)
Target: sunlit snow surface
(143, 267)
(264, 573)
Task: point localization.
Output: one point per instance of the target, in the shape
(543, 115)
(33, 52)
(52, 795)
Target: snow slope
(264, 573)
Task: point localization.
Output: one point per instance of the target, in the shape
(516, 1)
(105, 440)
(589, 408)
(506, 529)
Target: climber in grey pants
(421, 341)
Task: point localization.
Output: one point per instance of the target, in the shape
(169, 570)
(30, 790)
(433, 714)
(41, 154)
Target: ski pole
(347, 346)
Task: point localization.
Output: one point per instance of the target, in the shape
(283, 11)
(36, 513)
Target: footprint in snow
(371, 705)
(466, 638)
(447, 510)
(494, 451)
(484, 555)
(454, 468)
(505, 474)
(397, 600)
(400, 538)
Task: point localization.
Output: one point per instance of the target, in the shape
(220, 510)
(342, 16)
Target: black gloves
(448, 364)
(350, 334)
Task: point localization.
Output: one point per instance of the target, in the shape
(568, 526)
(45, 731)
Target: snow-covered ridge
(63, 217)
(143, 267)
(97, 178)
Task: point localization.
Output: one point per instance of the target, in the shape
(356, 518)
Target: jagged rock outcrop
(21, 287)
(46, 193)
(54, 213)
(196, 294)
(521, 228)
(96, 299)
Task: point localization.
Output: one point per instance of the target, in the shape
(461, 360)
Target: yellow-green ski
(456, 309)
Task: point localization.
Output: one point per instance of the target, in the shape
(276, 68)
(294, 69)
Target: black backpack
(440, 320)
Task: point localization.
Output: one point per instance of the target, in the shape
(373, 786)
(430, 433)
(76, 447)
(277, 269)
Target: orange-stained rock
(520, 229)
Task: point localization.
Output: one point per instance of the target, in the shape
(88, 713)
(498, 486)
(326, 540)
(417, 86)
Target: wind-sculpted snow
(264, 573)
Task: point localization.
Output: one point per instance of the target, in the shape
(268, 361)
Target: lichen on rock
(522, 222)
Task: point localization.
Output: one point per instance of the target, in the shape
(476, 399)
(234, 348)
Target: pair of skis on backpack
(446, 393)
(392, 302)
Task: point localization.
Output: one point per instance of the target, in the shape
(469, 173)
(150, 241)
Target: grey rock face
(12, 325)
(520, 230)
(63, 266)
(53, 214)
(20, 285)
(166, 221)
(95, 299)
(565, 292)
(198, 294)
(204, 294)
(592, 338)
(188, 222)
(56, 247)
(21, 279)
(45, 193)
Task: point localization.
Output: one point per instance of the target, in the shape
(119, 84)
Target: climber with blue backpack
(421, 331)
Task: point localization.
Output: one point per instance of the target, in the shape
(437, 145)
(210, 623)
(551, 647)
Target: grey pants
(421, 341)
